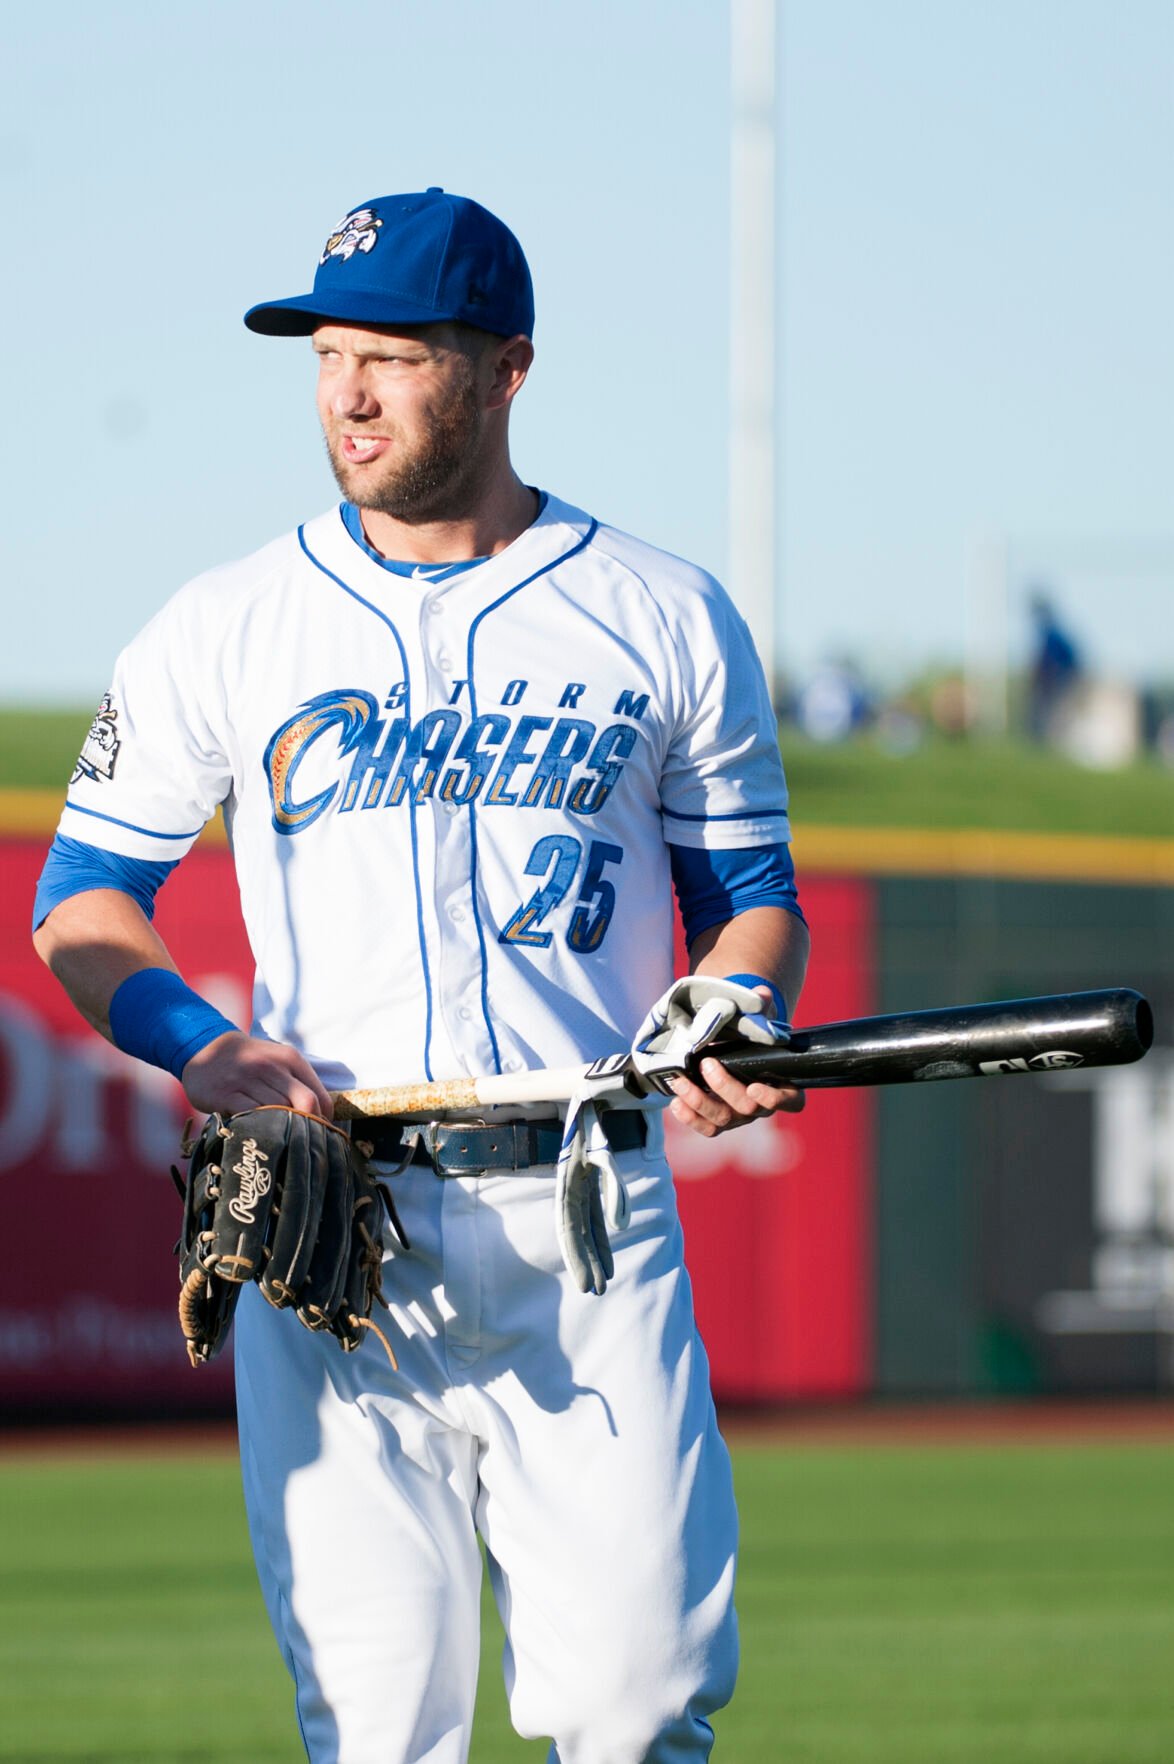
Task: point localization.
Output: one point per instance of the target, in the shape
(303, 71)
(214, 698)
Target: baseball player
(467, 740)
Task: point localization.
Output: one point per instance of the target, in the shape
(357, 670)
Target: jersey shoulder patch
(100, 750)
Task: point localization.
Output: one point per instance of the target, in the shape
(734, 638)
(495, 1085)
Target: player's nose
(351, 395)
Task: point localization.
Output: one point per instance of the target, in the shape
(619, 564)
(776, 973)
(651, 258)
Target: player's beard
(437, 480)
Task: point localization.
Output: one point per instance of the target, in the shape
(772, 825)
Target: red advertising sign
(776, 1215)
(88, 1290)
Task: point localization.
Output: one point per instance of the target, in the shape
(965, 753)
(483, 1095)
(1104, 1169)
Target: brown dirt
(154, 1440)
(970, 1423)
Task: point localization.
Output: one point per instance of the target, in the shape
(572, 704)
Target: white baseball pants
(574, 1434)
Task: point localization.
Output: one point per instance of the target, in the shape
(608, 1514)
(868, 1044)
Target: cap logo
(356, 231)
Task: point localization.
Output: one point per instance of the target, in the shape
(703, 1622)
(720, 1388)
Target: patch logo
(97, 757)
(357, 231)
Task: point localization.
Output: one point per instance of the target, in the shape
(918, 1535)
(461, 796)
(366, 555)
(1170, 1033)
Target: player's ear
(509, 360)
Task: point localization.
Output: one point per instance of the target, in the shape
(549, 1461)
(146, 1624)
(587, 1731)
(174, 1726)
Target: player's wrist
(755, 980)
(155, 1016)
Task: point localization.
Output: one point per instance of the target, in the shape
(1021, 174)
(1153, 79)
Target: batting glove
(589, 1195)
(694, 1012)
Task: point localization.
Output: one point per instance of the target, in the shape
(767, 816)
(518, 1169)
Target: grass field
(938, 1604)
(1008, 785)
(945, 784)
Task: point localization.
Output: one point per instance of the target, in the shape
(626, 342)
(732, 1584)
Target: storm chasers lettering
(495, 759)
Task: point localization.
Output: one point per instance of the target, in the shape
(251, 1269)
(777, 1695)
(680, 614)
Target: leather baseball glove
(285, 1199)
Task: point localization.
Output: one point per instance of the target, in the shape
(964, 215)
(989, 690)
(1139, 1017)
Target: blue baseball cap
(412, 260)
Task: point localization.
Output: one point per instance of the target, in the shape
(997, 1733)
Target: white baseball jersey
(449, 801)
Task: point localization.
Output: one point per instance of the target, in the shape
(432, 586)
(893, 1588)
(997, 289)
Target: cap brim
(302, 314)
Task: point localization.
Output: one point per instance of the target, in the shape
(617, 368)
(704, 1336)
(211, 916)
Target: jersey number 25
(558, 857)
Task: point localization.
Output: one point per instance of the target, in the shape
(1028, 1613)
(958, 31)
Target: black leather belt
(467, 1148)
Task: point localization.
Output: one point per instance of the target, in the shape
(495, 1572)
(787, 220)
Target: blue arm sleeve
(713, 886)
(72, 867)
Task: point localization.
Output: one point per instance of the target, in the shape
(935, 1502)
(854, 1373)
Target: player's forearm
(94, 941)
(763, 940)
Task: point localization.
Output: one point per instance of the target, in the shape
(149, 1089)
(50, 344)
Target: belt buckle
(430, 1137)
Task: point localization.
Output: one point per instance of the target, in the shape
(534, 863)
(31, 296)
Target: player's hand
(724, 1101)
(239, 1071)
(696, 1010)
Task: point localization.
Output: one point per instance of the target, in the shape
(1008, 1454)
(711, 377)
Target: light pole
(754, 487)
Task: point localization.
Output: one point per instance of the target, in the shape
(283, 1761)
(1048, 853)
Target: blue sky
(977, 282)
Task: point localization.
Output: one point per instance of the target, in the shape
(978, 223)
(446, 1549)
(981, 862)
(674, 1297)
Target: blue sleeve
(713, 886)
(72, 867)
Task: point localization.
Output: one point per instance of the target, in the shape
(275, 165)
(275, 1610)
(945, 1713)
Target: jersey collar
(558, 528)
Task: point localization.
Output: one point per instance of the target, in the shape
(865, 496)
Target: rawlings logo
(357, 231)
(256, 1180)
(97, 757)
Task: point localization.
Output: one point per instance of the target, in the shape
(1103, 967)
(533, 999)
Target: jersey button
(456, 912)
(444, 659)
(466, 1011)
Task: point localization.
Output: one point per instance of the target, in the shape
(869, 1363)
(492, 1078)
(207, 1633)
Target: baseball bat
(1106, 1028)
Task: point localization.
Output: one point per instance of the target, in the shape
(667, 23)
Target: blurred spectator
(834, 703)
(1055, 667)
(951, 706)
(1164, 740)
(899, 727)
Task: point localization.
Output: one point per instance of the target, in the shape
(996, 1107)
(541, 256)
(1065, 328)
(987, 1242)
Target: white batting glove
(696, 1011)
(589, 1195)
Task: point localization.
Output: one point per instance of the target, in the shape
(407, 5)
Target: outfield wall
(1025, 1231)
(930, 1240)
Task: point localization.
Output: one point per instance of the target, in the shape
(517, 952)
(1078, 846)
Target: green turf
(988, 784)
(944, 1605)
(943, 784)
(38, 748)
(956, 1606)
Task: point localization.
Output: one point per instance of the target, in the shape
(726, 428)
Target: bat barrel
(1106, 1028)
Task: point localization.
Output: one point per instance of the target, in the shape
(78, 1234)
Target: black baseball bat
(1107, 1028)
(961, 1041)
